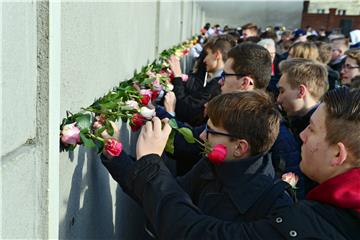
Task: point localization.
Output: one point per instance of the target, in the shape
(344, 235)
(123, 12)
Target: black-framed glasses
(211, 131)
(348, 66)
(225, 74)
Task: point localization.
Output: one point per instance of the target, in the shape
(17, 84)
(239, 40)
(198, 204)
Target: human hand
(170, 102)
(153, 138)
(174, 64)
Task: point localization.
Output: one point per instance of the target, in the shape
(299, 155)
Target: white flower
(147, 112)
(290, 178)
(169, 87)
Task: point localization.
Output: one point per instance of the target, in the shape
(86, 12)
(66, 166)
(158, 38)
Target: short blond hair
(310, 73)
(307, 50)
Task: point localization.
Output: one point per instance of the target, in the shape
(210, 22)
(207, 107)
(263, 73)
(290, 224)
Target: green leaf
(83, 121)
(109, 128)
(173, 124)
(89, 143)
(100, 130)
(187, 133)
(170, 143)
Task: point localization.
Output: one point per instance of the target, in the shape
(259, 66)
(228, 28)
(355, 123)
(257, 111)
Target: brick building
(334, 20)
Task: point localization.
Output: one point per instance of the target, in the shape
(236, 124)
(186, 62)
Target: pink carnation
(113, 147)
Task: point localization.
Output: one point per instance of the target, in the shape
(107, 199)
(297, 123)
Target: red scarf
(342, 191)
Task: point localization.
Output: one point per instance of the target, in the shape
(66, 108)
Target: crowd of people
(279, 102)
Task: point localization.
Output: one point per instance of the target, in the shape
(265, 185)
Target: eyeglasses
(224, 74)
(209, 130)
(348, 66)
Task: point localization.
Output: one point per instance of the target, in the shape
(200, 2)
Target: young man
(301, 86)
(192, 95)
(351, 67)
(242, 187)
(249, 30)
(330, 157)
(338, 46)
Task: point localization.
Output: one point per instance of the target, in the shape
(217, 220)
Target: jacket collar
(244, 180)
(342, 191)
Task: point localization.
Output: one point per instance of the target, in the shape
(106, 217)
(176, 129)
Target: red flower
(217, 154)
(145, 99)
(136, 122)
(113, 147)
(154, 95)
(185, 52)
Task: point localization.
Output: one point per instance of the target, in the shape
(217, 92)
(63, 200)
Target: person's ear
(241, 148)
(247, 83)
(302, 91)
(340, 155)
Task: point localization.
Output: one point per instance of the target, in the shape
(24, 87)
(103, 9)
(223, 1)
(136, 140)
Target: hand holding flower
(175, 66)
(152, 138)
(170, 102)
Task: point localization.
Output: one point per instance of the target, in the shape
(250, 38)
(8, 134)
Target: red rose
(185, 52)
(145, 99)
(113, 147)
(217, 154)
(136, 122)
(154, 95)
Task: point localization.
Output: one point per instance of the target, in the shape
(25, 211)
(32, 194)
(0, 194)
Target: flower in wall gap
(70, 134)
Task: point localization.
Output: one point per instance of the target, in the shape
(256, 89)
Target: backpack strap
(267, 200)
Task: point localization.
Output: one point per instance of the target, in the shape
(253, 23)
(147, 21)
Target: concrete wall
(60, 56)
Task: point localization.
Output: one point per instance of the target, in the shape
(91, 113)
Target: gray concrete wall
(59, 56)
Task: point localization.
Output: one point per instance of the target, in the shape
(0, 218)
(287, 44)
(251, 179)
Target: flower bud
(70, 134)
(290, 178)
(147, 112)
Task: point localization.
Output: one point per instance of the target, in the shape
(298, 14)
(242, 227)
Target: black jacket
(232, 190)
(175, 216)
(190, 100)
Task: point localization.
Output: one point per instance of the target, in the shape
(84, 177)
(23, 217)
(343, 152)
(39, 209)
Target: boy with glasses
(242, 187)
(351, 67)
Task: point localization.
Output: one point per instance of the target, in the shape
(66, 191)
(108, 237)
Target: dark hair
(222, 43)
(249, 115)
(252, 26)
(252, 60)
(342, 106)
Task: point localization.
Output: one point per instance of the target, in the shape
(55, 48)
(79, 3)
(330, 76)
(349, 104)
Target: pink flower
(133, 104)
(70, 134)
(218, 154)
(151, 74)
(113, 147)
(290, 178)
(145, 92)
(184, 77)
(136, 122)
